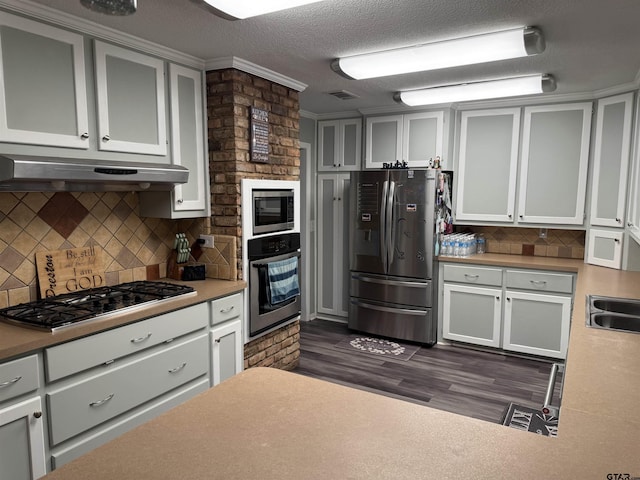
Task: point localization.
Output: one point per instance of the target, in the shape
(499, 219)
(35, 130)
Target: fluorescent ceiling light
(508, 87)
(240, 9)
(487, 47)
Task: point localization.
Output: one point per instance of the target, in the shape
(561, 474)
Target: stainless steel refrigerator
(393, 225)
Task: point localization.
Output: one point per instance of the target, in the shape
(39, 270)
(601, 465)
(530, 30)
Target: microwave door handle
(389, 226)
(383, 232)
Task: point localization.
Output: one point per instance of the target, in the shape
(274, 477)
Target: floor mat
(530, 420)
(378, 347)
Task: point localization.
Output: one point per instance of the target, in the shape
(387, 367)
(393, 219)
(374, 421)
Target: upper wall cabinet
(339, 145)
(555, 156)
(43, 98)
(487, 165)
(415, 138)
(131, 101)
(187, 149)
(611, 160)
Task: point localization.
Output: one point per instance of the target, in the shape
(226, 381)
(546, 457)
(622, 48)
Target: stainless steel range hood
(21, 173)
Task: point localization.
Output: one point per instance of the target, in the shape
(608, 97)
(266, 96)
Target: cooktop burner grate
(72, 308)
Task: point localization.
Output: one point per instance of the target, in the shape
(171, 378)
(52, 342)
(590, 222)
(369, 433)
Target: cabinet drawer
(18, 377)
(540, 281)
(226, 308)
(473, 275)
(88, 352)
(83, 405)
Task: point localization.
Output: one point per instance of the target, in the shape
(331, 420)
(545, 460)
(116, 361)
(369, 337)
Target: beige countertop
(16, 341)
(267, 423)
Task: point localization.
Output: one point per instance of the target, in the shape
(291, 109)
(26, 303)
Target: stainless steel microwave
(272, 210)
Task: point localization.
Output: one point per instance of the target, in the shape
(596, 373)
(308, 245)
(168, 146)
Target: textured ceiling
(591, 44)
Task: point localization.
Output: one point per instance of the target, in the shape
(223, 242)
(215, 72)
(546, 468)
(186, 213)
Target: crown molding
(71, 22)
(254, 69)
(309, 115)
(338, 116)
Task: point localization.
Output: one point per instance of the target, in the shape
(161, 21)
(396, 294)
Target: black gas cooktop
(68, 309)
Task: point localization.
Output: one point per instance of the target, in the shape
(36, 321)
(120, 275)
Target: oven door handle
(262, 263)
(380, 308)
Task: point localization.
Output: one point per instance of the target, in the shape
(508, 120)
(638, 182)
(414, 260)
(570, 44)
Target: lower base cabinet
(227, 358)
(22, 442)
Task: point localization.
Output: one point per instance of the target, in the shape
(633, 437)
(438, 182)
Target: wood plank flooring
(461, 380)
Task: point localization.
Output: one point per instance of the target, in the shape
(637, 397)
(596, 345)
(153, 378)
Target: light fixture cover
(240, 9)
(502, 88)
(111, 7)
(487, 47)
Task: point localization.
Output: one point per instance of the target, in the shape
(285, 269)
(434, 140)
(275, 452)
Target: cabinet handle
(179, 201)
(177, 369)
(617, 240)
(10, 382)
(497, 298)
(227, 310)
(141, 339)
(618, 220)
(508, 299)
(103, 401)
(521, 216)
(84, 136)
(629, 224)
(469, 275)
(510, 216)
(217, 340)
(539, 283)
(106, 138)
(37, 414)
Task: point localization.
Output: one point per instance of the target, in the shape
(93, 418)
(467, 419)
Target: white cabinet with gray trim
(43, 96)
(553, 164)
(604, 247)
(227, 350)
(339, 145)
(414, 138)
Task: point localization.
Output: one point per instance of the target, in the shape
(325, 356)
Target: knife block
(174, 270)
(184, 271)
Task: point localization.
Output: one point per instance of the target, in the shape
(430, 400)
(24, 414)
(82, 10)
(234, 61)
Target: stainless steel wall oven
(274, 281)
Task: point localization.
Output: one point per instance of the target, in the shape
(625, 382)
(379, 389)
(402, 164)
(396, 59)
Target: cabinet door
(384, 141)
(633, 216)
(605, 248)
(226, 351)
(43, 98)
(187, 135)
(611, 160)
(328, 145)
(487, 165)
(333, 244)
(22, 441)
(537, 324)
(423, 136)
(472, 314)
(131, 101)
(555, 155)
(351, 143)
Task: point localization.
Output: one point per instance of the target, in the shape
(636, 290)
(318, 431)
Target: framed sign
(70, 270)
(259, 135)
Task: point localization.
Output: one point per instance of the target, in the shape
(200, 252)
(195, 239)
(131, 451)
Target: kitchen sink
(613, 313)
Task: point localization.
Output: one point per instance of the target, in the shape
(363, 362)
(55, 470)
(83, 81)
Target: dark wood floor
(460, 380)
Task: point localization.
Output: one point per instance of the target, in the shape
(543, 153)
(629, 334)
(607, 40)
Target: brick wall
(230, 95)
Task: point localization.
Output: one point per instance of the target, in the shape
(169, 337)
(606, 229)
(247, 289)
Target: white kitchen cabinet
(333, 244)
(415, 138)
(604, 247)
(472, 314)
(611, 161)
(553, 165)
(487, 165)
(339, 145)
(633, 206)
(43, 97)
(188, 149)
(227, 346)
(22, 441)
(537, 324)
(130, 90)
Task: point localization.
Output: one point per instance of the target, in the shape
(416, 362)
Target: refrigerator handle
(380, 308)
(383, 229)
(390, 231)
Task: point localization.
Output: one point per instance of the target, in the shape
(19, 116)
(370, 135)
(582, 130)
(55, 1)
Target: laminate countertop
(271, 424)
(16, 341)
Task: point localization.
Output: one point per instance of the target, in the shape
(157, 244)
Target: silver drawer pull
(177, 369)
(227, 310)
(10, 382)
(103, 401)
(469, 275)
(141, 339)
(539, 283)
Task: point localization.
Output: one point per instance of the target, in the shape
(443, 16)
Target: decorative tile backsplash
(134, 248)
(527, 241)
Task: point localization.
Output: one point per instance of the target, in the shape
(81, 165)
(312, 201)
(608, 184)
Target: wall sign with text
(259, 135)
(64, 271)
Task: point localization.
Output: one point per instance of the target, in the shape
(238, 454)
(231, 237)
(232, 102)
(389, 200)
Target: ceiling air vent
(343, 95)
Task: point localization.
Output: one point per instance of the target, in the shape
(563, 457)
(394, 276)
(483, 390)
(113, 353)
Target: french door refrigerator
(391, 288)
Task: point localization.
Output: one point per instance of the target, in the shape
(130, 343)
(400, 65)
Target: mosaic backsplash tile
(526, 241)
(134, 248)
